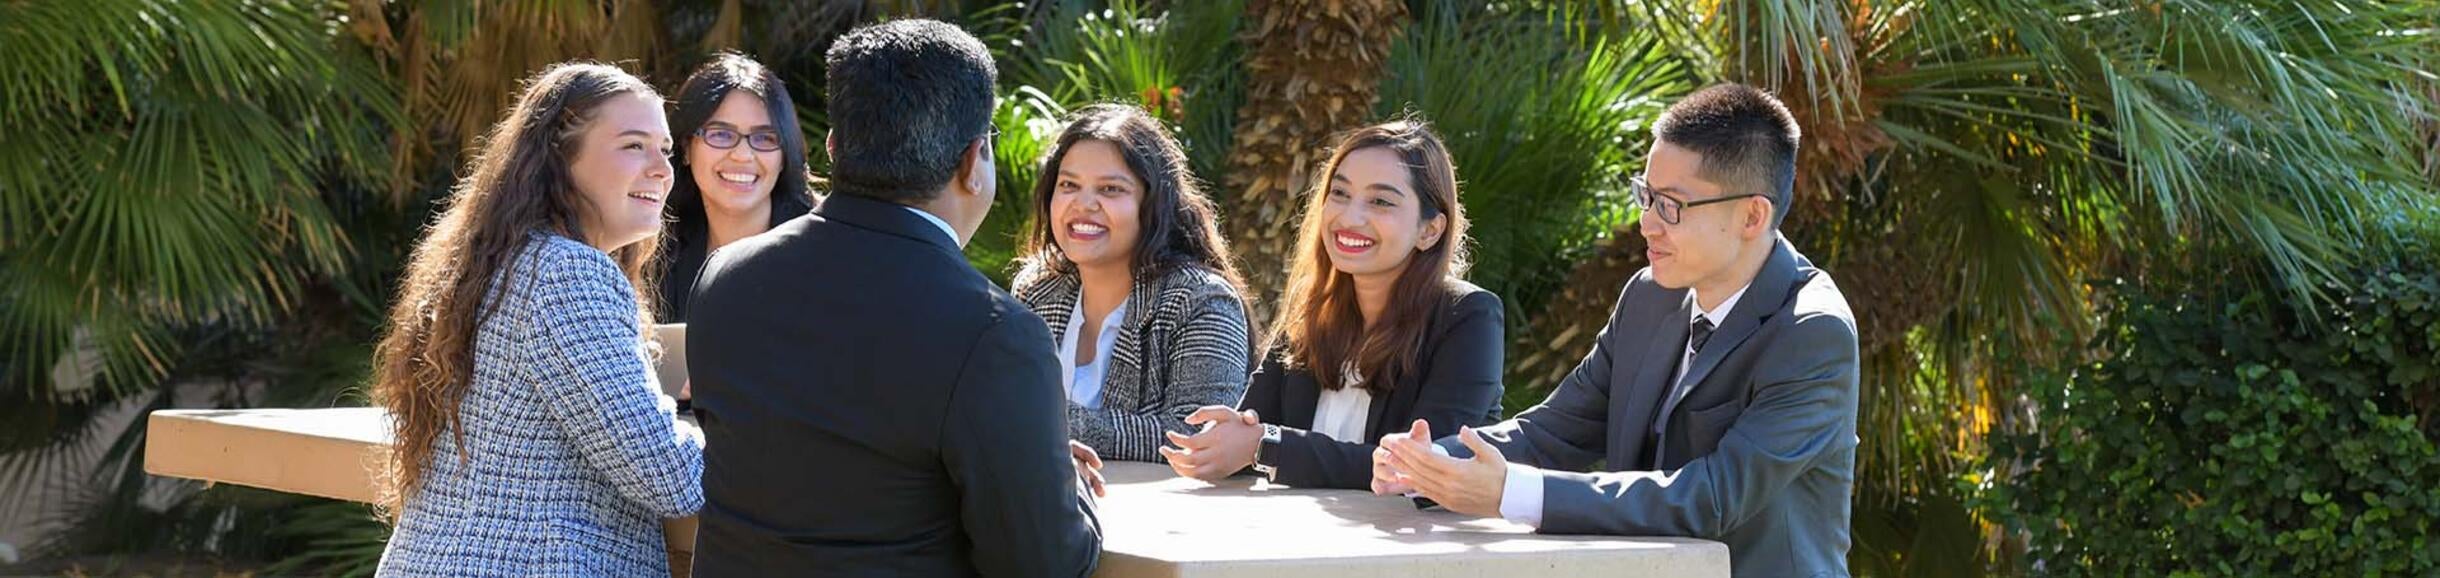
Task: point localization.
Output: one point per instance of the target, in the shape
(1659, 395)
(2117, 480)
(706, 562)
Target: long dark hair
(791, 196)
(698, 98)
(518, 183)
(1179, 225)
(1318, 322)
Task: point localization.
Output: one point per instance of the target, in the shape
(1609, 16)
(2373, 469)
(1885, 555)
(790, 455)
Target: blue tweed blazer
(570, 460)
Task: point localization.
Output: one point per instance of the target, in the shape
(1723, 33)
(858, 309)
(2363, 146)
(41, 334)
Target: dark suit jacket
(685, 246)
(1459, 386)
(1759, 454)
(872, 406)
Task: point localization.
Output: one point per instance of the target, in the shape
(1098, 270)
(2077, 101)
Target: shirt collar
(1718, 315)
(936, 221)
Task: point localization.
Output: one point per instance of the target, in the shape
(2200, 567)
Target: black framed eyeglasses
(1670, 209)
(725, 139)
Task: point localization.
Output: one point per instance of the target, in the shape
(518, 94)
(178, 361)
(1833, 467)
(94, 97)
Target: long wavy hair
(1318, 322)
(517, 183)
(1180, 227)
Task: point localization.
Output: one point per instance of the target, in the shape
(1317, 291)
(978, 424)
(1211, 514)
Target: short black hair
(1746, 137)
(906, 97)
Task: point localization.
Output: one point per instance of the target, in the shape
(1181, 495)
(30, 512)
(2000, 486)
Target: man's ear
(975, 166)
(1758, 217)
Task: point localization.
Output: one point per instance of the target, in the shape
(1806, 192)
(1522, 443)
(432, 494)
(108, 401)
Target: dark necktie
(1700, 333)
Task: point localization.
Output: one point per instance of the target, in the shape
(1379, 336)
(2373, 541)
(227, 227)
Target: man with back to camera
(872, 405)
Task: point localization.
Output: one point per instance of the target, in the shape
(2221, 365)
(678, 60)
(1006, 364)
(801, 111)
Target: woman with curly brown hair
(531, 437)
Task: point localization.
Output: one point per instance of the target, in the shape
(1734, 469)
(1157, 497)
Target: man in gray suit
(1722, 393)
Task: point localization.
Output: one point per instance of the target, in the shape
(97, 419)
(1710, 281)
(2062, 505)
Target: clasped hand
(1407, 462)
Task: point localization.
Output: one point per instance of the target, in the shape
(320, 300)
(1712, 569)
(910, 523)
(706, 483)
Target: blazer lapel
(1769, 290)
(1127, 354)
(1374, 429)
(1651, 386)
(1057, 298)
(1298, 397)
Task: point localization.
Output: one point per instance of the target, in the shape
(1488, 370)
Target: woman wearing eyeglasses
(742, 158)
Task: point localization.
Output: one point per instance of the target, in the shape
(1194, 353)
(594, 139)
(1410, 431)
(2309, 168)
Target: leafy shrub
(2232, 434)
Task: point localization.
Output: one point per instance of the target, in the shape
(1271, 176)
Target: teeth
(645, 196)
(737, 177)
(1088, 228)
(1354, 242)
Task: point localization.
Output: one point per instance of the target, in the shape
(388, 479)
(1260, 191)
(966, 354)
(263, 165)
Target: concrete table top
(1154, 523)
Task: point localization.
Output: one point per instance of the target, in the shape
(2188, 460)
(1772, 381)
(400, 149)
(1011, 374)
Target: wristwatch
(1270, 437)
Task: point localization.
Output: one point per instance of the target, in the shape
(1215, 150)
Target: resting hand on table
(1088, 467)
(1225, 445)
(1467, 486)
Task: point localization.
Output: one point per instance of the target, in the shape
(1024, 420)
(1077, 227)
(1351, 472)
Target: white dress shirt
(1341, 413)
(1084, 381)
(1521, 493)
(937, 222)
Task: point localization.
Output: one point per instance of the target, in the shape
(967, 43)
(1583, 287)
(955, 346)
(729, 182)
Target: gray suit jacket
(1759, 453)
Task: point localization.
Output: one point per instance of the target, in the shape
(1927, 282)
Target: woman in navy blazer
(1375, 330)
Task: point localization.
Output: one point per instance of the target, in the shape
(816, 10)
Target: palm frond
(337, 539)
(1542, 163)
(169, 205)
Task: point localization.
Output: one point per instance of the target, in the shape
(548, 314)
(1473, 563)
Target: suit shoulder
(561, 263)
(754, 247)
(1033, 274)
(778, 237)
(1037, 286)
(1643, 289)
(1819, 324)
(1818, 298)
(1011, 318)
(554, 249)
(1468, 301)
(1195, 281)
(1195, 288)
(1467, 297)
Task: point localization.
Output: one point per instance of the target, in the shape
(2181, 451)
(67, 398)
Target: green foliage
(1544, 112)
(2228, 435)
(1178, 63)
(1970, 164)
(164, 171)
(331, 538)
(1028, 120)
(1081, 54)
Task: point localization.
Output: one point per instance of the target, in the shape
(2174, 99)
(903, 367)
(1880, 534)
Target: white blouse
(1341, 412)
(1084, 381)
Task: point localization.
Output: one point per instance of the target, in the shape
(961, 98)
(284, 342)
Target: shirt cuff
(1521, 499)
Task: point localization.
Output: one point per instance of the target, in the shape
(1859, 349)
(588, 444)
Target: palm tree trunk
(1313, 68)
